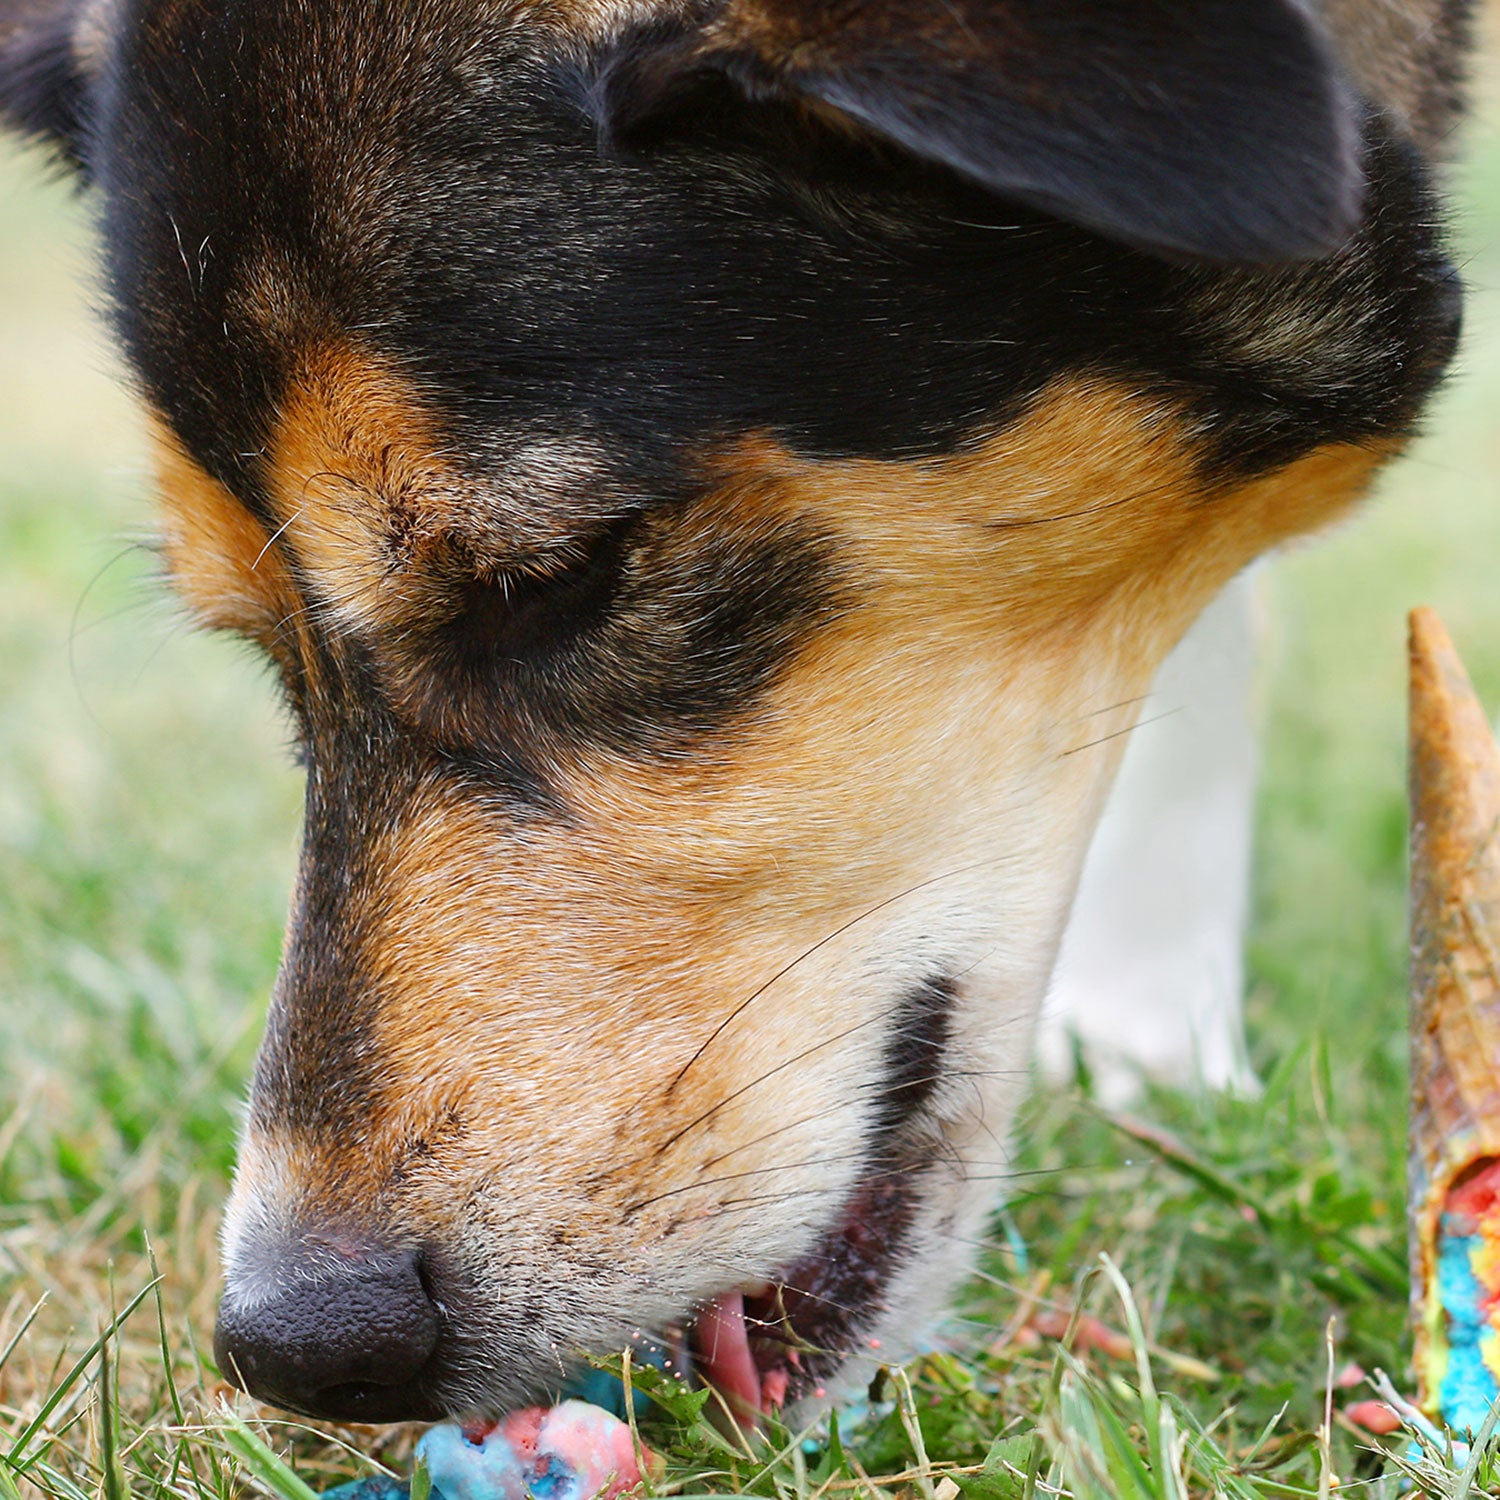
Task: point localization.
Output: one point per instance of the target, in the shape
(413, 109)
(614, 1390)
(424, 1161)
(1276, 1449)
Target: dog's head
(715, 482)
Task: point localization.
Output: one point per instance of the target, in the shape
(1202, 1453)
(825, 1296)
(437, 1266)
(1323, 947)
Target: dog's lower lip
(764, 1344)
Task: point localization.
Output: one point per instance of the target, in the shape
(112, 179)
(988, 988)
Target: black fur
(361, 772)
(1203, 128)
(754, 271)
(42, 92)
(644, 646)
(913, 1064)
(273, 175)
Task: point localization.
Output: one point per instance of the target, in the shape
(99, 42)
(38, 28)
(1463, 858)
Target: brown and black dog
(715, 479)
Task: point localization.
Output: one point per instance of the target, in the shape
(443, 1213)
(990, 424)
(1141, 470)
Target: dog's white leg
(1150, 976)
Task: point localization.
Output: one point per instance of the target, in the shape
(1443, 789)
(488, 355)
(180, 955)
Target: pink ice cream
(572, 1451)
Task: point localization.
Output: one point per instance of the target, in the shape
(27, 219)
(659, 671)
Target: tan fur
(377, 510)
(358, 482)
(224, 565)
(917, 792)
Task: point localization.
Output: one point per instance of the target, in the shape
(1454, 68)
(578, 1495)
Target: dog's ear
(1219, 129)
(42, 72)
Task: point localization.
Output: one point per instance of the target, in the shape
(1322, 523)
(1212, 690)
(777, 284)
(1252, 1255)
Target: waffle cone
(1455, 971)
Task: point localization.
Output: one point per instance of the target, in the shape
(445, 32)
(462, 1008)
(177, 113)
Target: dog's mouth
(777, 1343)
(769, 1345)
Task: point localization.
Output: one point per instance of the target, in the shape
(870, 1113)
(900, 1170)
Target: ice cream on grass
(571, 1451)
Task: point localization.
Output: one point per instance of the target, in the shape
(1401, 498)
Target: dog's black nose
(341, 1336)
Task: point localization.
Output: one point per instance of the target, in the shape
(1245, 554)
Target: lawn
(147, 830)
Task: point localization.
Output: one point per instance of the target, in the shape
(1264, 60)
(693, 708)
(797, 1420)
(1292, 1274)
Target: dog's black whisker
(1021, 523)
(1104, 739)
(1115, 707)
(807, 953)
(769, 1135)
(807, 1052)
(755, 1083)
(763, 1200)
(698, 1183)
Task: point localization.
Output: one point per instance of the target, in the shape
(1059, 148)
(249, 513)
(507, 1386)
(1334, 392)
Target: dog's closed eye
(533, 606)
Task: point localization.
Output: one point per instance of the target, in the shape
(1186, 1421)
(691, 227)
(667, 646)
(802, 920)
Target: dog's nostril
(346, 1339)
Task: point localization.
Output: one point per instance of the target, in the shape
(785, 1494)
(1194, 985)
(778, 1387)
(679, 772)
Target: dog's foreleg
(1150, 976)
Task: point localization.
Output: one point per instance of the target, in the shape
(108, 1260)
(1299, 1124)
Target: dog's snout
(346, 1338)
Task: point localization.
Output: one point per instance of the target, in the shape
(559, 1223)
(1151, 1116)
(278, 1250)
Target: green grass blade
(68, 1381)
(115, 1487)
(1477, 1450)
(421, 1479)
(1103, 1461)
(266, 1466)
(178, 1414)
(20, 1333)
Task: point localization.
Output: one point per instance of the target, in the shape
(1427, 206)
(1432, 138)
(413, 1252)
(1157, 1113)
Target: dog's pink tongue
(721, 1348)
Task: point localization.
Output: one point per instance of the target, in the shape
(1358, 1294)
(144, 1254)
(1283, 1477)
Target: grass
(1218, 1262)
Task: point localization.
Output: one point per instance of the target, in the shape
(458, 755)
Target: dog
(715, 480)
(1150, 976)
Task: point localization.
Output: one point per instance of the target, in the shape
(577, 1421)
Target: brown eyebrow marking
(225, 566)
(358, 483)
(384, 514)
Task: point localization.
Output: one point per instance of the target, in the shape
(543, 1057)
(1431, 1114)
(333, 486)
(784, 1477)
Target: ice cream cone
(1455, 986)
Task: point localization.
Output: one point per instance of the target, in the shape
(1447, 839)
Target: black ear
(41, 78)
(1218, 129)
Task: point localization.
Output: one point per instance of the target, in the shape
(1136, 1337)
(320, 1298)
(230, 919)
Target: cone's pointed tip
(1454, 763)
(1443, 699)
(1428, 637)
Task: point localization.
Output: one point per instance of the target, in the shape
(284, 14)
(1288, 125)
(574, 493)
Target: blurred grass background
(147, 813)
(148, 822)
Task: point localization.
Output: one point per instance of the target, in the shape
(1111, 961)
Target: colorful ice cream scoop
(1454, 1158)
(575, 1450)
(1468, 1287)
(571, 1451)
